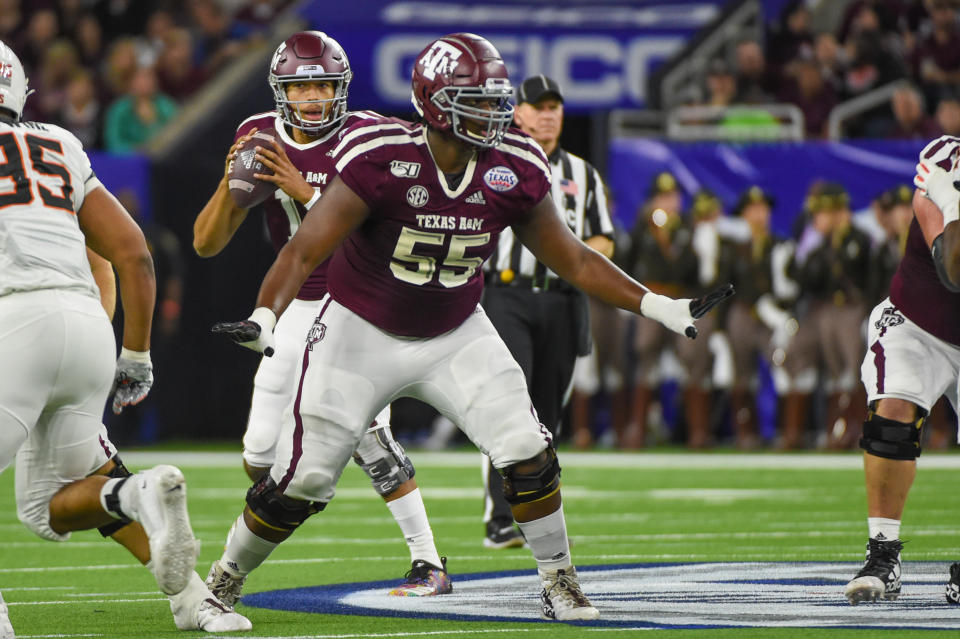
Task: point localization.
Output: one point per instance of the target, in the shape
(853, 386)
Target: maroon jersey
(283, 214)
(413, 267)
(917, 292)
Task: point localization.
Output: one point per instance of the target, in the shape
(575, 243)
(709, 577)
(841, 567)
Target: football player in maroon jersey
(913, 357)
(310, 75)
(415, 210)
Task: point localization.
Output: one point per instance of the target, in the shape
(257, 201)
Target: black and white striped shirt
(581, 201)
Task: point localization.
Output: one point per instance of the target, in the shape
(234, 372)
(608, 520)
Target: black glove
(702, 305)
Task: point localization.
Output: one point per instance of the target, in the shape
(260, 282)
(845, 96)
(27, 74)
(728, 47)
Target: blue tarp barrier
(864, 167)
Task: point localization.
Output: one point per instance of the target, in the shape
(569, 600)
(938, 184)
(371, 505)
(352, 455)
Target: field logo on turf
(694, 595)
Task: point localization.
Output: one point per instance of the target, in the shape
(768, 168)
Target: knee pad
(117, 472)
(277, 511)
(391, 470)
(891, 439)
(524, 487)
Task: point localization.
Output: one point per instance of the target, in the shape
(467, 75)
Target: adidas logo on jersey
(476, 198)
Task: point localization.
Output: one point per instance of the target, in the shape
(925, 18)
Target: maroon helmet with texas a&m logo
(459, 79)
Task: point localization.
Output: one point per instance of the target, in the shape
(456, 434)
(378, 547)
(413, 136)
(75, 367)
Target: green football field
(652, 514)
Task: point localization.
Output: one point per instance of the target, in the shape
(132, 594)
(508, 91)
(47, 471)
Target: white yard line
(569, 459)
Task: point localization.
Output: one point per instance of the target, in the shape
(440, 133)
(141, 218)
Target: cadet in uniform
(661, 256)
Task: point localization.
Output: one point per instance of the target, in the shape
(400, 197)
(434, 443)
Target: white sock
(411, 516)
(245, 550)
(125, 496)
(547, 538)
(889, 528)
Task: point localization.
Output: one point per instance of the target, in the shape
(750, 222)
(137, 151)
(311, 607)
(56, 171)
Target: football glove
(255, 332)
(679, 315)
(133, 379)
(940, 187)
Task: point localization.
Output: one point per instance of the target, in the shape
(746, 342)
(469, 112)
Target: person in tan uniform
(661, 254)
(832, 266)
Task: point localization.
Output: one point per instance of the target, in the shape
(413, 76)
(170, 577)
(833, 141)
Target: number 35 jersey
(44, 177)
(413, 267)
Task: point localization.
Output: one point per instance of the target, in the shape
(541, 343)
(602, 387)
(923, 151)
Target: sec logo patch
(417, 196)
(500, 178)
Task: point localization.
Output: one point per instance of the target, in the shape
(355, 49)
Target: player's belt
(507, 278)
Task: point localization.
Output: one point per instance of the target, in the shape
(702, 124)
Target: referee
(543, 320)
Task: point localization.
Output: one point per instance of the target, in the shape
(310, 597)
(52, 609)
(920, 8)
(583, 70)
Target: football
(248, 191)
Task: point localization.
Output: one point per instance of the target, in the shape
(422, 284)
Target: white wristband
(135, 356)
(313, 200)
(653, 306)
(264, 317)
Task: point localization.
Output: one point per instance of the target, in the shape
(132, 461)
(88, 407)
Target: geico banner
(601, 53)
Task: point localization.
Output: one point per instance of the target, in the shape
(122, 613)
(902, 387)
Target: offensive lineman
(57, 347)
(913, 358)
(310, 75)
(415, 211)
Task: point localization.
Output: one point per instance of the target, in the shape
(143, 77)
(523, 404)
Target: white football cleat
(223, 585)
(195, 608)
(160, 505)
(6, 628)
(562, 599)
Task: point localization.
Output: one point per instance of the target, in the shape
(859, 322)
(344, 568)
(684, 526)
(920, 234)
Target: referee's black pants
(541, 330)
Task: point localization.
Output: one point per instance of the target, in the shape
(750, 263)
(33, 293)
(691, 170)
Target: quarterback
(310, 75)
(415, 210)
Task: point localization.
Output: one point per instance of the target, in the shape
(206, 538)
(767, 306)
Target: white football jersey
(44, 177)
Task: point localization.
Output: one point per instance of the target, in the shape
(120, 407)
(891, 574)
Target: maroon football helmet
(310, 56)
(458, 77)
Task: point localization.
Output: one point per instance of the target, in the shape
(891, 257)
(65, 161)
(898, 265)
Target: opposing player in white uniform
(310, 75)
(57, 352)
(913, 357)
(413, 213)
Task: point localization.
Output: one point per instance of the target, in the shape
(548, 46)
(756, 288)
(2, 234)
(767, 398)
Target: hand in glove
(940, 184)
(133, 379)
(255, 332)
(679, 315)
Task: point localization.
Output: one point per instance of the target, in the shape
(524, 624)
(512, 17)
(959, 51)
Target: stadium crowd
(114, 73)
(869, 44)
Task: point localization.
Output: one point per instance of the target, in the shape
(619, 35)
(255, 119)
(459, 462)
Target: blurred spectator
(807, 89)
(721, 84)
(948, 115)
(135, 118)
(159, 25)
(831, 59)
(42, 30)
(11, 21)
(754, 85)
(60, 63)
(88, 36)
(936, 60)
(255, 17)
(120, 67)
(893, 210)
(178, 75)
(81, 111)
(212, 39)
(871, 65)
(791, 35)
(660, 256)
(123, 17)
(910, 117)
(756, 322)
(832, 269)
(69, 13)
